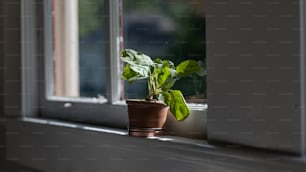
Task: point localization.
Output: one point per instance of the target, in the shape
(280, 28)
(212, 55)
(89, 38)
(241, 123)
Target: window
(79, 44)
(83, 40)
(169, 29)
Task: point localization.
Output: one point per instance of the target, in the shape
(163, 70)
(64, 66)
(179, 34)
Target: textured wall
(12, 57)
(303, 68)
(1, 57)
(253, 73)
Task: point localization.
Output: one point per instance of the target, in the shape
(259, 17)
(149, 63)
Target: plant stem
(150, 88)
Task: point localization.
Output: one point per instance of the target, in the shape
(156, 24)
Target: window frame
(111, 112)
(85, 109)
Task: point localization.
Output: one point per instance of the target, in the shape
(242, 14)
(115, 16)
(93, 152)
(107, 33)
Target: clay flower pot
(146, 118)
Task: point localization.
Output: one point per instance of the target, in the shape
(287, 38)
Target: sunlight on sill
(96, 100)
(163, 138)
(70, 125)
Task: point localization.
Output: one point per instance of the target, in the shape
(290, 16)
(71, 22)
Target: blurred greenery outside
(171, 30)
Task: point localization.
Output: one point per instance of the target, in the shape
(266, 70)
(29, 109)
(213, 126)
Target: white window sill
(93, 108)
(102, 100)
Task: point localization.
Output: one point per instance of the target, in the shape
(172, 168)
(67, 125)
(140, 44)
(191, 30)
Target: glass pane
(172, 29)
(79, 48)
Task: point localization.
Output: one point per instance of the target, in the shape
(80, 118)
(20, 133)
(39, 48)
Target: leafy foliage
(175, 100)
(161, 76)
(90, 12)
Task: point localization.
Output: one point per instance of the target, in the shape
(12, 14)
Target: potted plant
(147, 116)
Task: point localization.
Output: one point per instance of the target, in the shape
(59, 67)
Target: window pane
(79, 48)
(92, 47)
(170, 29)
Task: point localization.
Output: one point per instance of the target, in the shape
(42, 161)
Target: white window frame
(92, 110)
(66, 47)
(111, 112)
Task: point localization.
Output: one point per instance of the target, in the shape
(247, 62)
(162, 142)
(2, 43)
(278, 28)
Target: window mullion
(29, 59)
(48, 89)
(113, 60)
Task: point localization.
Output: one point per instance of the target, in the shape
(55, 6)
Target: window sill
(192, 127)
(121, 132)
(50, 145)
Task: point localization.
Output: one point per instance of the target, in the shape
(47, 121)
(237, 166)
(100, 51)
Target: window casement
(61, 94)
(95, 93)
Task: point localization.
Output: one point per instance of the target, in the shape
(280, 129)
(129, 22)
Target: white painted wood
(29, 70)
(66, 48)
(114, 84)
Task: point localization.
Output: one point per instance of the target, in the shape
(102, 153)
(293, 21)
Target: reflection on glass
(169, 29)
(92, 48)
(79, 47)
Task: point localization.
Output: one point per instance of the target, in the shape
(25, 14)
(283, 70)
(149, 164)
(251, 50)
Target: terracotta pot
(146, 118)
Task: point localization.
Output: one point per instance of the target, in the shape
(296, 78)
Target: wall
(12, 57)
(303, 74)
(1, 57)
(253, 58)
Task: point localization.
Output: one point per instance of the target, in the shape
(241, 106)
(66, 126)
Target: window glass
(79, 48)
(92, 47)
(172, 29)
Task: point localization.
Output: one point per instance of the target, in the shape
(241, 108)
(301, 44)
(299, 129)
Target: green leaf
(164, 72)
(131, 75)
(178, 107)
(143, 71)
(161, 75)
(137, 67)
(133, 57)
(161, 63)
(188, 67)
(168, 83)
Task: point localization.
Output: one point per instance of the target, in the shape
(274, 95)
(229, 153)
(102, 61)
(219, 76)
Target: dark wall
(11, 57)
(303, 68)
(253, 62)
(1, 57)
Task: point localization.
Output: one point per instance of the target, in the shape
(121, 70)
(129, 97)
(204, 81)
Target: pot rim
(145, 101)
